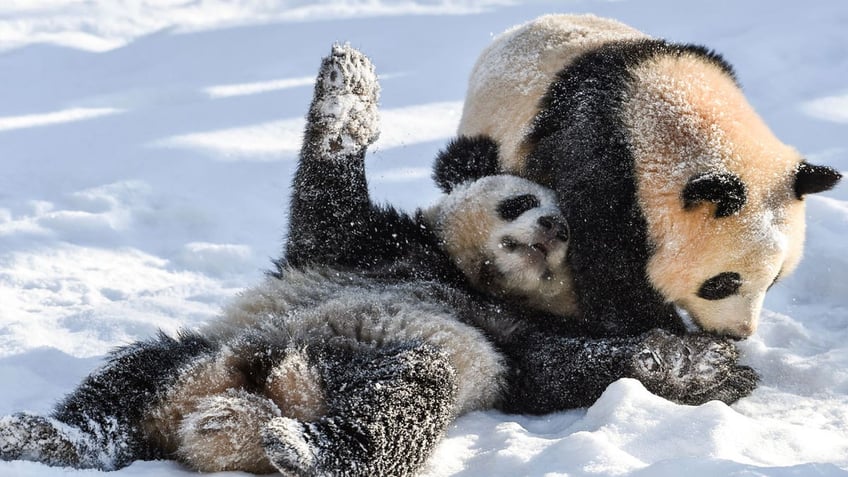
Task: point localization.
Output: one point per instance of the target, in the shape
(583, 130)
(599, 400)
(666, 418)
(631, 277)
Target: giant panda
(376, 330)
(685, 207)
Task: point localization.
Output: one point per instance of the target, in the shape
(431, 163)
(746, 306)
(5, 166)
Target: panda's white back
(502, 94)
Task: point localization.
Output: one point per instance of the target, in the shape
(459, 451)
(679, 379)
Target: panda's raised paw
(343, 118)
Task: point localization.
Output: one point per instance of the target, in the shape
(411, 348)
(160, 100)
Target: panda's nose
(554, 227)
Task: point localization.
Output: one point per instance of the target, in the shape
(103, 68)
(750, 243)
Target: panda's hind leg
(223, 433)
(387, 409)
(41, 439)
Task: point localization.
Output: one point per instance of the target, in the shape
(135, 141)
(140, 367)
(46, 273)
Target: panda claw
(343, 117)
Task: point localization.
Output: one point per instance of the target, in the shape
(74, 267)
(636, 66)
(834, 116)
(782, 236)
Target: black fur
(332, 221)
(512, 208)
(465, 159)
(811, 179)
(720, 286)
(724, 189)
(114, 398)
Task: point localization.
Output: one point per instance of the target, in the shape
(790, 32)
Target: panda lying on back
(356, 356)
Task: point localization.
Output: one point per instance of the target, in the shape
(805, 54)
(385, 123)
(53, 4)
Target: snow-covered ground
(146, 148)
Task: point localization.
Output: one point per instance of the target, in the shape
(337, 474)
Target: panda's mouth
(541, 257)
(537, 251)
(540, 249)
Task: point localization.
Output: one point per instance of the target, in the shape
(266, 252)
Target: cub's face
(508, 237)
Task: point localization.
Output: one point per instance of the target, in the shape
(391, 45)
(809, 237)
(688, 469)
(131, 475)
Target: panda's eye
(720, 286)
(512, 208)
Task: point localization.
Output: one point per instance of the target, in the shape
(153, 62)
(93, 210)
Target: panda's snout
(554, 227)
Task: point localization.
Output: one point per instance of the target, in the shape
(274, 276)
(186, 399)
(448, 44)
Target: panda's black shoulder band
(465, 159)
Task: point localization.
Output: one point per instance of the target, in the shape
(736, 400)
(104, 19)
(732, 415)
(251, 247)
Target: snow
(831, 108)
(147, 149)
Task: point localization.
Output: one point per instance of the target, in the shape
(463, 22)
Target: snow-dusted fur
(368, 340)
(685, 197)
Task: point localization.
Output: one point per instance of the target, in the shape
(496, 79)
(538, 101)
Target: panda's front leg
(330, 204)
(551, 372)
(387, 409)
(692, 368)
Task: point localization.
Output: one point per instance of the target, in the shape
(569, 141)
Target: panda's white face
(720, 193)
(508, 237)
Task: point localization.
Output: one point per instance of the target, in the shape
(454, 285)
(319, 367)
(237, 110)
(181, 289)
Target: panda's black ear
(465, 159)
(810, 179)
(724, 189)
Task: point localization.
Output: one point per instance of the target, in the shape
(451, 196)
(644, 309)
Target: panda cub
(355, 369)
(371, 336)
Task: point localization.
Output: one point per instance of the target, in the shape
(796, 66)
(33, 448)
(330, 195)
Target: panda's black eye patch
(720, 286)
(512, 208)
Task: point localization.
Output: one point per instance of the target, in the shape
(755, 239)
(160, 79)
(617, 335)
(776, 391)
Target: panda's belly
(377, 318)
(315, 307)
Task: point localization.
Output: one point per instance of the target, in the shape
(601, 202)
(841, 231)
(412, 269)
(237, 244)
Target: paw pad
(343, 114)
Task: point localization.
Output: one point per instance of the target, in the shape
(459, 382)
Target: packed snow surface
(147, 148)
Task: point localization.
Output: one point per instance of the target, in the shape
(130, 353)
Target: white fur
(515, 70)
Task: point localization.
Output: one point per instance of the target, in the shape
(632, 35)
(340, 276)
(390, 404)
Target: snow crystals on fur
(344, 111)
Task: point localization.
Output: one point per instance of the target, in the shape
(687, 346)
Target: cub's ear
(724, 189)
(465, 159)
(810, 179)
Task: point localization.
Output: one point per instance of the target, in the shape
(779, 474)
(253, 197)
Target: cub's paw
(290, 447)
(692, 369)
(343, 118)
(41, 439)
(223, 433)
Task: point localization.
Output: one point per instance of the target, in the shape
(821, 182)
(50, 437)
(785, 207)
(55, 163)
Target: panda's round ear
(726, 190)
(465, 159)
(810, 179)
